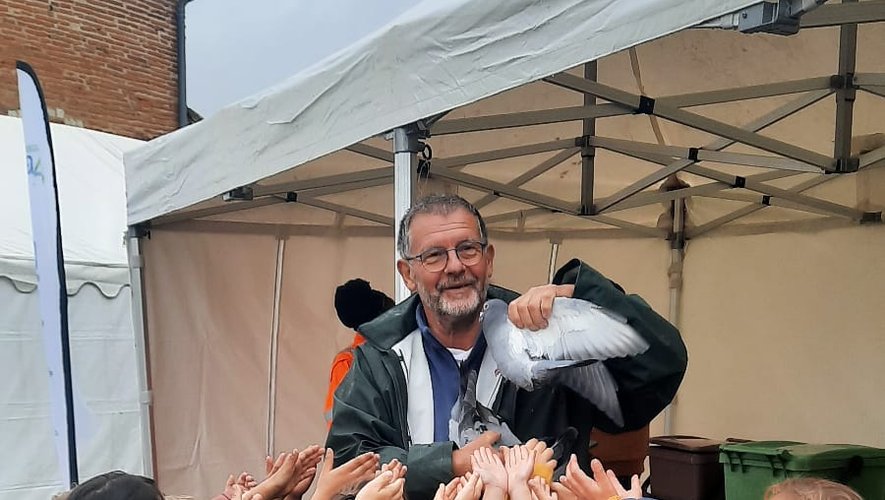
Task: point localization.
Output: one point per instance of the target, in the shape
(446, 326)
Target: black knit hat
(357, 303)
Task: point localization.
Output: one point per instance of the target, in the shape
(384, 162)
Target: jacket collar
(395, 324)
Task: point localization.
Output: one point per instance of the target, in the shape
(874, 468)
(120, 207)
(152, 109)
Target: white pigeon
(578, 335)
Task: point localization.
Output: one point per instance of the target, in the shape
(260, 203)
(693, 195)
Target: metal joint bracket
(646, 105)
(766, 200)
(582, 141)
(847, 165)
(291, 197)
(739, 182)
(242, 193)
(407, 139)
(693, 154)
(140, 230)
(846, 81)
(871, 218)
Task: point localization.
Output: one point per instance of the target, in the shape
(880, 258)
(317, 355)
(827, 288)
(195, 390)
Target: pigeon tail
(595, 383)
(470, 418)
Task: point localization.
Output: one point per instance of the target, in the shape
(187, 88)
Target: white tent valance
(433, 58)
(91, 197)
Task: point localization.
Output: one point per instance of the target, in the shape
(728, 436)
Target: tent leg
(274, 349)
(139, 328)
(588, 152)
(845, 95)
(406, 145)
(554, 254)
(677, 253)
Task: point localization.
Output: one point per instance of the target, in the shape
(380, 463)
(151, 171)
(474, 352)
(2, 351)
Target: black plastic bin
(685, 468)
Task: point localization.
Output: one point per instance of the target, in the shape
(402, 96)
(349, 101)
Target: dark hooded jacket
(371, 406)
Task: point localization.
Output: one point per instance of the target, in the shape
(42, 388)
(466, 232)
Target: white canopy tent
(258, 212)
(103, 353)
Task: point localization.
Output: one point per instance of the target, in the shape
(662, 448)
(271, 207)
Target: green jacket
(370, 410)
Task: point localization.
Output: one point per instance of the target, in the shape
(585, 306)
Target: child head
(810, 488)
(117, 485)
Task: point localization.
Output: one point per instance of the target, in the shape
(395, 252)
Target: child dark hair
(117, 485)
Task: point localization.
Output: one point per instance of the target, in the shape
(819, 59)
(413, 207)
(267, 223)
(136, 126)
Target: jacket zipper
(402, 400)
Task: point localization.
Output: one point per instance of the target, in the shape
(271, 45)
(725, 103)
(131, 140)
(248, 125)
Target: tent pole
(845, 95)
(406, 145)
(139, 329)
(554, 254)
(677, 253)
(274, 348)
(588, 152)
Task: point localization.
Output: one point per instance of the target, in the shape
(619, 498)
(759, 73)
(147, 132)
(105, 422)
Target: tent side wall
(785, 335)
(106, 392)
(756, 351)
(210, 323)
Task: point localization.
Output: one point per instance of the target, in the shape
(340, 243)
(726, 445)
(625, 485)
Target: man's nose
(453, 262)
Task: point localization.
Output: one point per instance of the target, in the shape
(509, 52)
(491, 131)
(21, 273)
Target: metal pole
(845, 96)
(554, 254)
(677, 253)
(588, 152)
(139, 330)
(405, 177)
(274, 348)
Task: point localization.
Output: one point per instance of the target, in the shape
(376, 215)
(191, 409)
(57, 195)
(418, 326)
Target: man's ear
(406, 272)
(490, 255)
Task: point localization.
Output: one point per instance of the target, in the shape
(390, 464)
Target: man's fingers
(487, 438)
(513, 314)
(547, 305)
(535, 315)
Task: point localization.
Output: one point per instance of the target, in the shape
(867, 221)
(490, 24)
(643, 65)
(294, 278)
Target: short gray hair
(436, 204)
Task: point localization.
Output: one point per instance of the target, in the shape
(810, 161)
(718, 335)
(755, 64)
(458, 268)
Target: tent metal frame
(602, 101)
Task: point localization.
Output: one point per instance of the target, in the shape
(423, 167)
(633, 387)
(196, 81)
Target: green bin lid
(798, 456)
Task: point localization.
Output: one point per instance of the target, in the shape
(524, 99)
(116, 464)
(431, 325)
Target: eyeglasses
(435, 260)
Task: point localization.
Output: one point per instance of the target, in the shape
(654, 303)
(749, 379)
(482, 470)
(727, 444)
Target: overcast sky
(238, 47)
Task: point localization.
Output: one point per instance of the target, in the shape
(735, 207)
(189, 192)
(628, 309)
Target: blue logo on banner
(34, 166)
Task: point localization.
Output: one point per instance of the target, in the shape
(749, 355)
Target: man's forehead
(427, 225)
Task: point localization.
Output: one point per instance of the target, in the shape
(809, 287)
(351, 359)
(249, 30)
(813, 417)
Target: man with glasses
(397, 400)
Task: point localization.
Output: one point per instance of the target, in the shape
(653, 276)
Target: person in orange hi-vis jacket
(356, 303)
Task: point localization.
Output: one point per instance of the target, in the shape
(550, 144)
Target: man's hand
(533, 308)
(461, 458)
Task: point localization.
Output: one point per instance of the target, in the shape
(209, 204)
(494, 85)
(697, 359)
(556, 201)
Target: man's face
(457, 291)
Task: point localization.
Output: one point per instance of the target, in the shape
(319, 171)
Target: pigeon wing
(581, 330)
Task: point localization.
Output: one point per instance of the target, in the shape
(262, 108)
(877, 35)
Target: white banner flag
(52, 293)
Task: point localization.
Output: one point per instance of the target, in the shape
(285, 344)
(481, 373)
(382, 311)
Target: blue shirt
(446, 377)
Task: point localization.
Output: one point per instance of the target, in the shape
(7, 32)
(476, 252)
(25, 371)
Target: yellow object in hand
(543, 471)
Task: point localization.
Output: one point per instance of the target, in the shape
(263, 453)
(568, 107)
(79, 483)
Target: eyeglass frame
(420, 257)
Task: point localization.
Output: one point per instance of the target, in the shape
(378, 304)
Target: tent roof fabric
(434, 57)
(91, 188)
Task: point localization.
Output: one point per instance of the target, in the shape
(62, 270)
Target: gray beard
(460, 313)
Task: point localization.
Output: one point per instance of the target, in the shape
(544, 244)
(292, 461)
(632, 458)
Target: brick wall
(104, 64)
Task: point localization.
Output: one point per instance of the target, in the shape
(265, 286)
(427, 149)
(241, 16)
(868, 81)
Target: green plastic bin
(752, 467)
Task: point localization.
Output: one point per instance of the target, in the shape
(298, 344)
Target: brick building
(107, 65)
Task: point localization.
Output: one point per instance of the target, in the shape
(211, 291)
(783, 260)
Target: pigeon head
(494, 314)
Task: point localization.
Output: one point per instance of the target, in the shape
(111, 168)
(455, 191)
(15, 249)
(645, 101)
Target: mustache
(455, 283)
